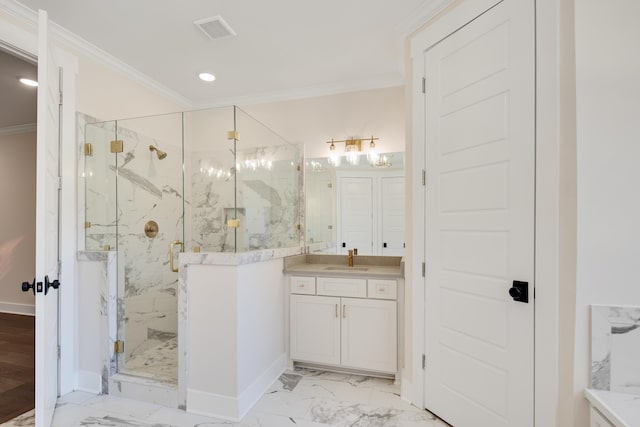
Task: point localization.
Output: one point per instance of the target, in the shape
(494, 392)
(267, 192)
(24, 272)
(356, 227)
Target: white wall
(313, 121)
(236, 335)
(106, 94)
(608, 107)
(17, 219)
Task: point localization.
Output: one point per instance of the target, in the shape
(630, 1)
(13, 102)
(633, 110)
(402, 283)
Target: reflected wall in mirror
(355, 206)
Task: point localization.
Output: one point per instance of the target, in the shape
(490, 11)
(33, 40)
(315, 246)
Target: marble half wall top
(236, 258)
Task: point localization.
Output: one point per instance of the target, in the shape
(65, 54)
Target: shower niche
(213, 180)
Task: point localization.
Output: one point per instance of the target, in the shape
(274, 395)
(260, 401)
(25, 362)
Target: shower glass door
(150, 229)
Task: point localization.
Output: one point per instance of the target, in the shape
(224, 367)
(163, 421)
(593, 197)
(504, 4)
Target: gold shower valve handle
(172, 245)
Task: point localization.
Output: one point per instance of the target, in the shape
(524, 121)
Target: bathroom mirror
(355, 206)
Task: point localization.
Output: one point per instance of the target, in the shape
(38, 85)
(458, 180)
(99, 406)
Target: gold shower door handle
(171, 253)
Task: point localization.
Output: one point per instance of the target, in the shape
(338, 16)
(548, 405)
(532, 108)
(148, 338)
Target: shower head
(161, 154)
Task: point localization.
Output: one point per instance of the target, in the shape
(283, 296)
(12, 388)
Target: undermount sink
(347, 268)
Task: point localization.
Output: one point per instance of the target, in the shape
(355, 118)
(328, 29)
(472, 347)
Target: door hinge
(424, 177)
(59, 183)
(60, 98)
(424, 361)
(424, 269)
(118, 346)
(117, 146)
(58, 352)
(424, 85)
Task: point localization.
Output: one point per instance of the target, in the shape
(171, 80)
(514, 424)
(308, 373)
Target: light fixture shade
(372, 155)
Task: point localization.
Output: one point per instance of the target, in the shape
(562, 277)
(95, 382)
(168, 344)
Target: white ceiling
(18, 103)
(283, 48)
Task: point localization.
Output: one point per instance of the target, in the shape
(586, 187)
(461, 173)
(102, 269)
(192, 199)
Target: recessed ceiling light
(207, 77)
(28, 82)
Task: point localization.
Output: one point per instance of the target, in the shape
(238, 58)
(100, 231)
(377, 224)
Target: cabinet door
(369, 334)
(315, 329)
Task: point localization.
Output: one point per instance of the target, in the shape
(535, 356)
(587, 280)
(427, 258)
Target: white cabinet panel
(341, 287)
(382, 289)
(303, 285)
(369, 334)
(315, 329)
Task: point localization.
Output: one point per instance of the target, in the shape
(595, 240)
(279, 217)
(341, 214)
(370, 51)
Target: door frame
(550, 213)
(25, 43)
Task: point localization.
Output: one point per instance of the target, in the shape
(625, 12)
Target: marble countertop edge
(336, 266)
(236, 258)
(621, 409)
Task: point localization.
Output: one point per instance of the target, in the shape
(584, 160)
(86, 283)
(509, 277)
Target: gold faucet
(350, 258)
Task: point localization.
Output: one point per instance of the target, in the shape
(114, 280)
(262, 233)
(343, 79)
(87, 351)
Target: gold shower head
(161, 154)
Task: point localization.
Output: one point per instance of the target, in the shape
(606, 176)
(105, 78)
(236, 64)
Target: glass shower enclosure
(213, 180)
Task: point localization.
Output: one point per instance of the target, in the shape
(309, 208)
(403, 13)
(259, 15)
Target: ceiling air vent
(215, 27)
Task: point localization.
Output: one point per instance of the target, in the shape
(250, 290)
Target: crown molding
(18, 129)
(102, 57)
(305, 92)
(87, 49)
(421, 16)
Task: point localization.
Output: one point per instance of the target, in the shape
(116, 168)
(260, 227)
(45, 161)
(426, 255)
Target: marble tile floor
(159, 362)
(301, 398)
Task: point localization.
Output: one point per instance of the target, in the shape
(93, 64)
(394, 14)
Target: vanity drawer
(342, 287)
(303, 285)
(382, 289)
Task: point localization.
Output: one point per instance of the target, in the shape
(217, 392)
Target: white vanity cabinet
(598, 420)
(350, 323)
(315, 329)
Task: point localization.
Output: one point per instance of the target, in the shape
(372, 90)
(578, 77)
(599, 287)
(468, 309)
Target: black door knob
(515, 293)
(519, 291)
(47, 284)
(26, 286)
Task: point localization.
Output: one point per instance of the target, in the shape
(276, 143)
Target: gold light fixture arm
(351, 140)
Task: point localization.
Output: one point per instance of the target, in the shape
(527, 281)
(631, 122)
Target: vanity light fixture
(334, 158)
(28, 82)
(352, 148)
(206, 77)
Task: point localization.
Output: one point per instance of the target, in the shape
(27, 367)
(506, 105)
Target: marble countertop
(621, 409)
(236, 258)
(336, 266)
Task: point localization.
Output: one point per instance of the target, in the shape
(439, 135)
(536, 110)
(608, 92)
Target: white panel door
(47, 163)
(369, 334)
(356, 215)
(315, 329)
(480, 220)
(392, 221)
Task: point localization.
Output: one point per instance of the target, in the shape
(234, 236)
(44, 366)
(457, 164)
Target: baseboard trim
(250, 396)
(410, 394)
(233, 408)
(14, 308)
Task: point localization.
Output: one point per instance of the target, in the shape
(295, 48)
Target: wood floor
(17, 354)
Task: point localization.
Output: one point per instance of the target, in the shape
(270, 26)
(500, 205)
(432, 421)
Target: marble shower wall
(615, 348)
(99, 196)
(148, 189)
(267, 198)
